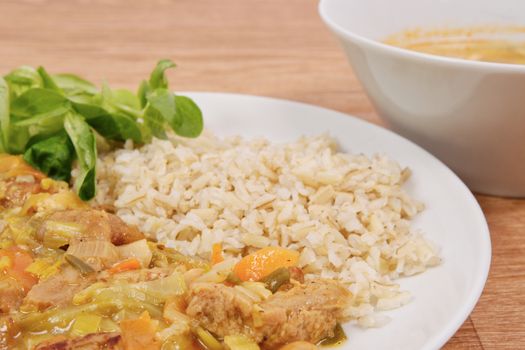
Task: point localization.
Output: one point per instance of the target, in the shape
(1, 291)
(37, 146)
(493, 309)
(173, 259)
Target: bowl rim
(420, 57)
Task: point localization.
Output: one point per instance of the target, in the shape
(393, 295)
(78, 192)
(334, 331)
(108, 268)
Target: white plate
(444, 296)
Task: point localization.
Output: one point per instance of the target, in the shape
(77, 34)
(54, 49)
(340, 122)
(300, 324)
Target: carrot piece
(19, 260)
(125, 265)
(257, 265)
(139, 334)
(216, 254)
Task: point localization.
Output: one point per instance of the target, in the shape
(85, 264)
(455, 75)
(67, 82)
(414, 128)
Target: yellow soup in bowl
(489, 44)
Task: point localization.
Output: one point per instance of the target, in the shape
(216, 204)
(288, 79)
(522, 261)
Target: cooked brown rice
(347, 214)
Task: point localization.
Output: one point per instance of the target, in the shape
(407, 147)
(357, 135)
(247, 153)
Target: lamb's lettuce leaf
(22, 79)
(54, 119)
(158, 77)
(37, 101)
(83, 140)
(4, 115)
(189, 122)
(51, 154)
(48, 82)
(73, 85)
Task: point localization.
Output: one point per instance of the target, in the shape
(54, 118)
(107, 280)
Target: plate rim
(439, 339)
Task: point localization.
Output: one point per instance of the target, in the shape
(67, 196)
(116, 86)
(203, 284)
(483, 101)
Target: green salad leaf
(144, 90)
(4, 115)
(113, 126)
(37, 101)
(120, 101)
(83, 140)
(189, 122)
(51, 154)
(163, 101)
(180, 112)
(48, 82)
(22, 79)
(73, 85)
(56, 119)
(45, 123)
(126, 98)
(155, 122)
(18, 137)
(158, 78)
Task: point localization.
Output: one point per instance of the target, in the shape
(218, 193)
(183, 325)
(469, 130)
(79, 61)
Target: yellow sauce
(489, 44)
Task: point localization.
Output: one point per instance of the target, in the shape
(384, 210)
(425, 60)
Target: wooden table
(267, 47)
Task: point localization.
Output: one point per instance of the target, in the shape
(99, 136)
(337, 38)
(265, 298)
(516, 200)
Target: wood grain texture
(266, 47)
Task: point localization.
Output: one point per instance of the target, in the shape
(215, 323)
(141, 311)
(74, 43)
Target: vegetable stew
(77, 277)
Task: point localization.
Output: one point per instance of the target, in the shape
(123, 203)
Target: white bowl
(470, 114)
